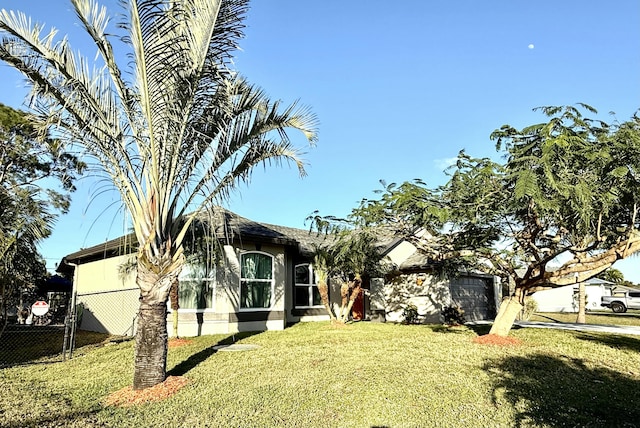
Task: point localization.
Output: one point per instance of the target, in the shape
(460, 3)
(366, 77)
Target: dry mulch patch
(172, 384)
(494, 339)
(128, 397)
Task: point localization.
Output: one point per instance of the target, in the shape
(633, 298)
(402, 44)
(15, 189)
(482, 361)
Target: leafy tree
(561, 209)
(36, 178)
(175, 134)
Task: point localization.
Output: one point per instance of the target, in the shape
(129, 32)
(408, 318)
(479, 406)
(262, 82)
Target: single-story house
(260, 277)
(416, 281)
(565, 299)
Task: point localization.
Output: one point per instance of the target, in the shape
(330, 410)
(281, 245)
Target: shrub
(530, 307)
(453, 315)
(410, 314)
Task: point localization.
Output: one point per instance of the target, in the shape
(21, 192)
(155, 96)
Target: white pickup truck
(620, 302)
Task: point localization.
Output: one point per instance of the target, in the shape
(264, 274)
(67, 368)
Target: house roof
(230, 227)
(416, 262)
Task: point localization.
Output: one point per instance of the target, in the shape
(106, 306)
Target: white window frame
(312, 283)
(272, 280)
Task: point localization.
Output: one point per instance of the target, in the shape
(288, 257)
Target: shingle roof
(417, 261)
(230, 227)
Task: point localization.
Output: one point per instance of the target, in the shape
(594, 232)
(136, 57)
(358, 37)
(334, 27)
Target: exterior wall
(431, 294)
(562, 299)
(227, 317)
(428, 293)
(110, 302)
(111, 312)
(102, 275)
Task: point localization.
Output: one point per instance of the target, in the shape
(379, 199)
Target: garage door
(475, 296)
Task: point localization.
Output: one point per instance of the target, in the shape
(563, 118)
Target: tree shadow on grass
(74, 418)
(443, 328)
(549, 390)
(77, 418)
(613, 341)
(194, 360)
(479, 329)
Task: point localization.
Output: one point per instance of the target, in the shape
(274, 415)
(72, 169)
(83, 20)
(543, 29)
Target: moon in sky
(531, 46)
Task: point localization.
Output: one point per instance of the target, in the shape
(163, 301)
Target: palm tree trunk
(323, 288)
(355, 291)
(151, 346)
(150, 361)
(345, 291)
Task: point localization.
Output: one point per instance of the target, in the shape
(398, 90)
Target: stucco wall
(223, 319)
(427, 292)
(102, 275)
(111, 301)
(111, 312)
(562, 299)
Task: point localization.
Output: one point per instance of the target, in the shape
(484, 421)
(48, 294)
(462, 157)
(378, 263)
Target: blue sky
(399, 88)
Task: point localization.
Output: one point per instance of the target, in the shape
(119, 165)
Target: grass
(28, 344)
(358, 375)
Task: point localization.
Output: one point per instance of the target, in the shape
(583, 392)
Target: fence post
(74, 322)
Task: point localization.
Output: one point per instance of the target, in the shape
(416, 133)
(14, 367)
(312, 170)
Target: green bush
(410, 314)
(530, 308)
(453, 315)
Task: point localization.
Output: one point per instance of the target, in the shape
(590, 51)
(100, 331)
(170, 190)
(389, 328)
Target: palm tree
(613, 275)
(322, 263)
(175, 138)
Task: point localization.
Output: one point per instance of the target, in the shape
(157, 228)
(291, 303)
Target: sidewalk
(597, 328)
(615, 329)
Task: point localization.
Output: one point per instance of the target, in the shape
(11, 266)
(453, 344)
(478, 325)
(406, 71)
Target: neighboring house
(565, 299)
(261, 278)
(416, 281)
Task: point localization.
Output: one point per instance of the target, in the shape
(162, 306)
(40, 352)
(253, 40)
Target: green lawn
(359, 375)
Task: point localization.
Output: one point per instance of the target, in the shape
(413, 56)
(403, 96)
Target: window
(306, 288)
(256, 280)
(196, 290)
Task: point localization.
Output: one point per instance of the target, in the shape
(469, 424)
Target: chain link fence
(72, 322)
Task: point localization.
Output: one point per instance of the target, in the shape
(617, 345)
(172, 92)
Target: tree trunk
(150, 362)
(323, 288)
(175, 305)
(582, 318)
(507, 314)
(345, 291)
(355, 290)
(151, 346)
